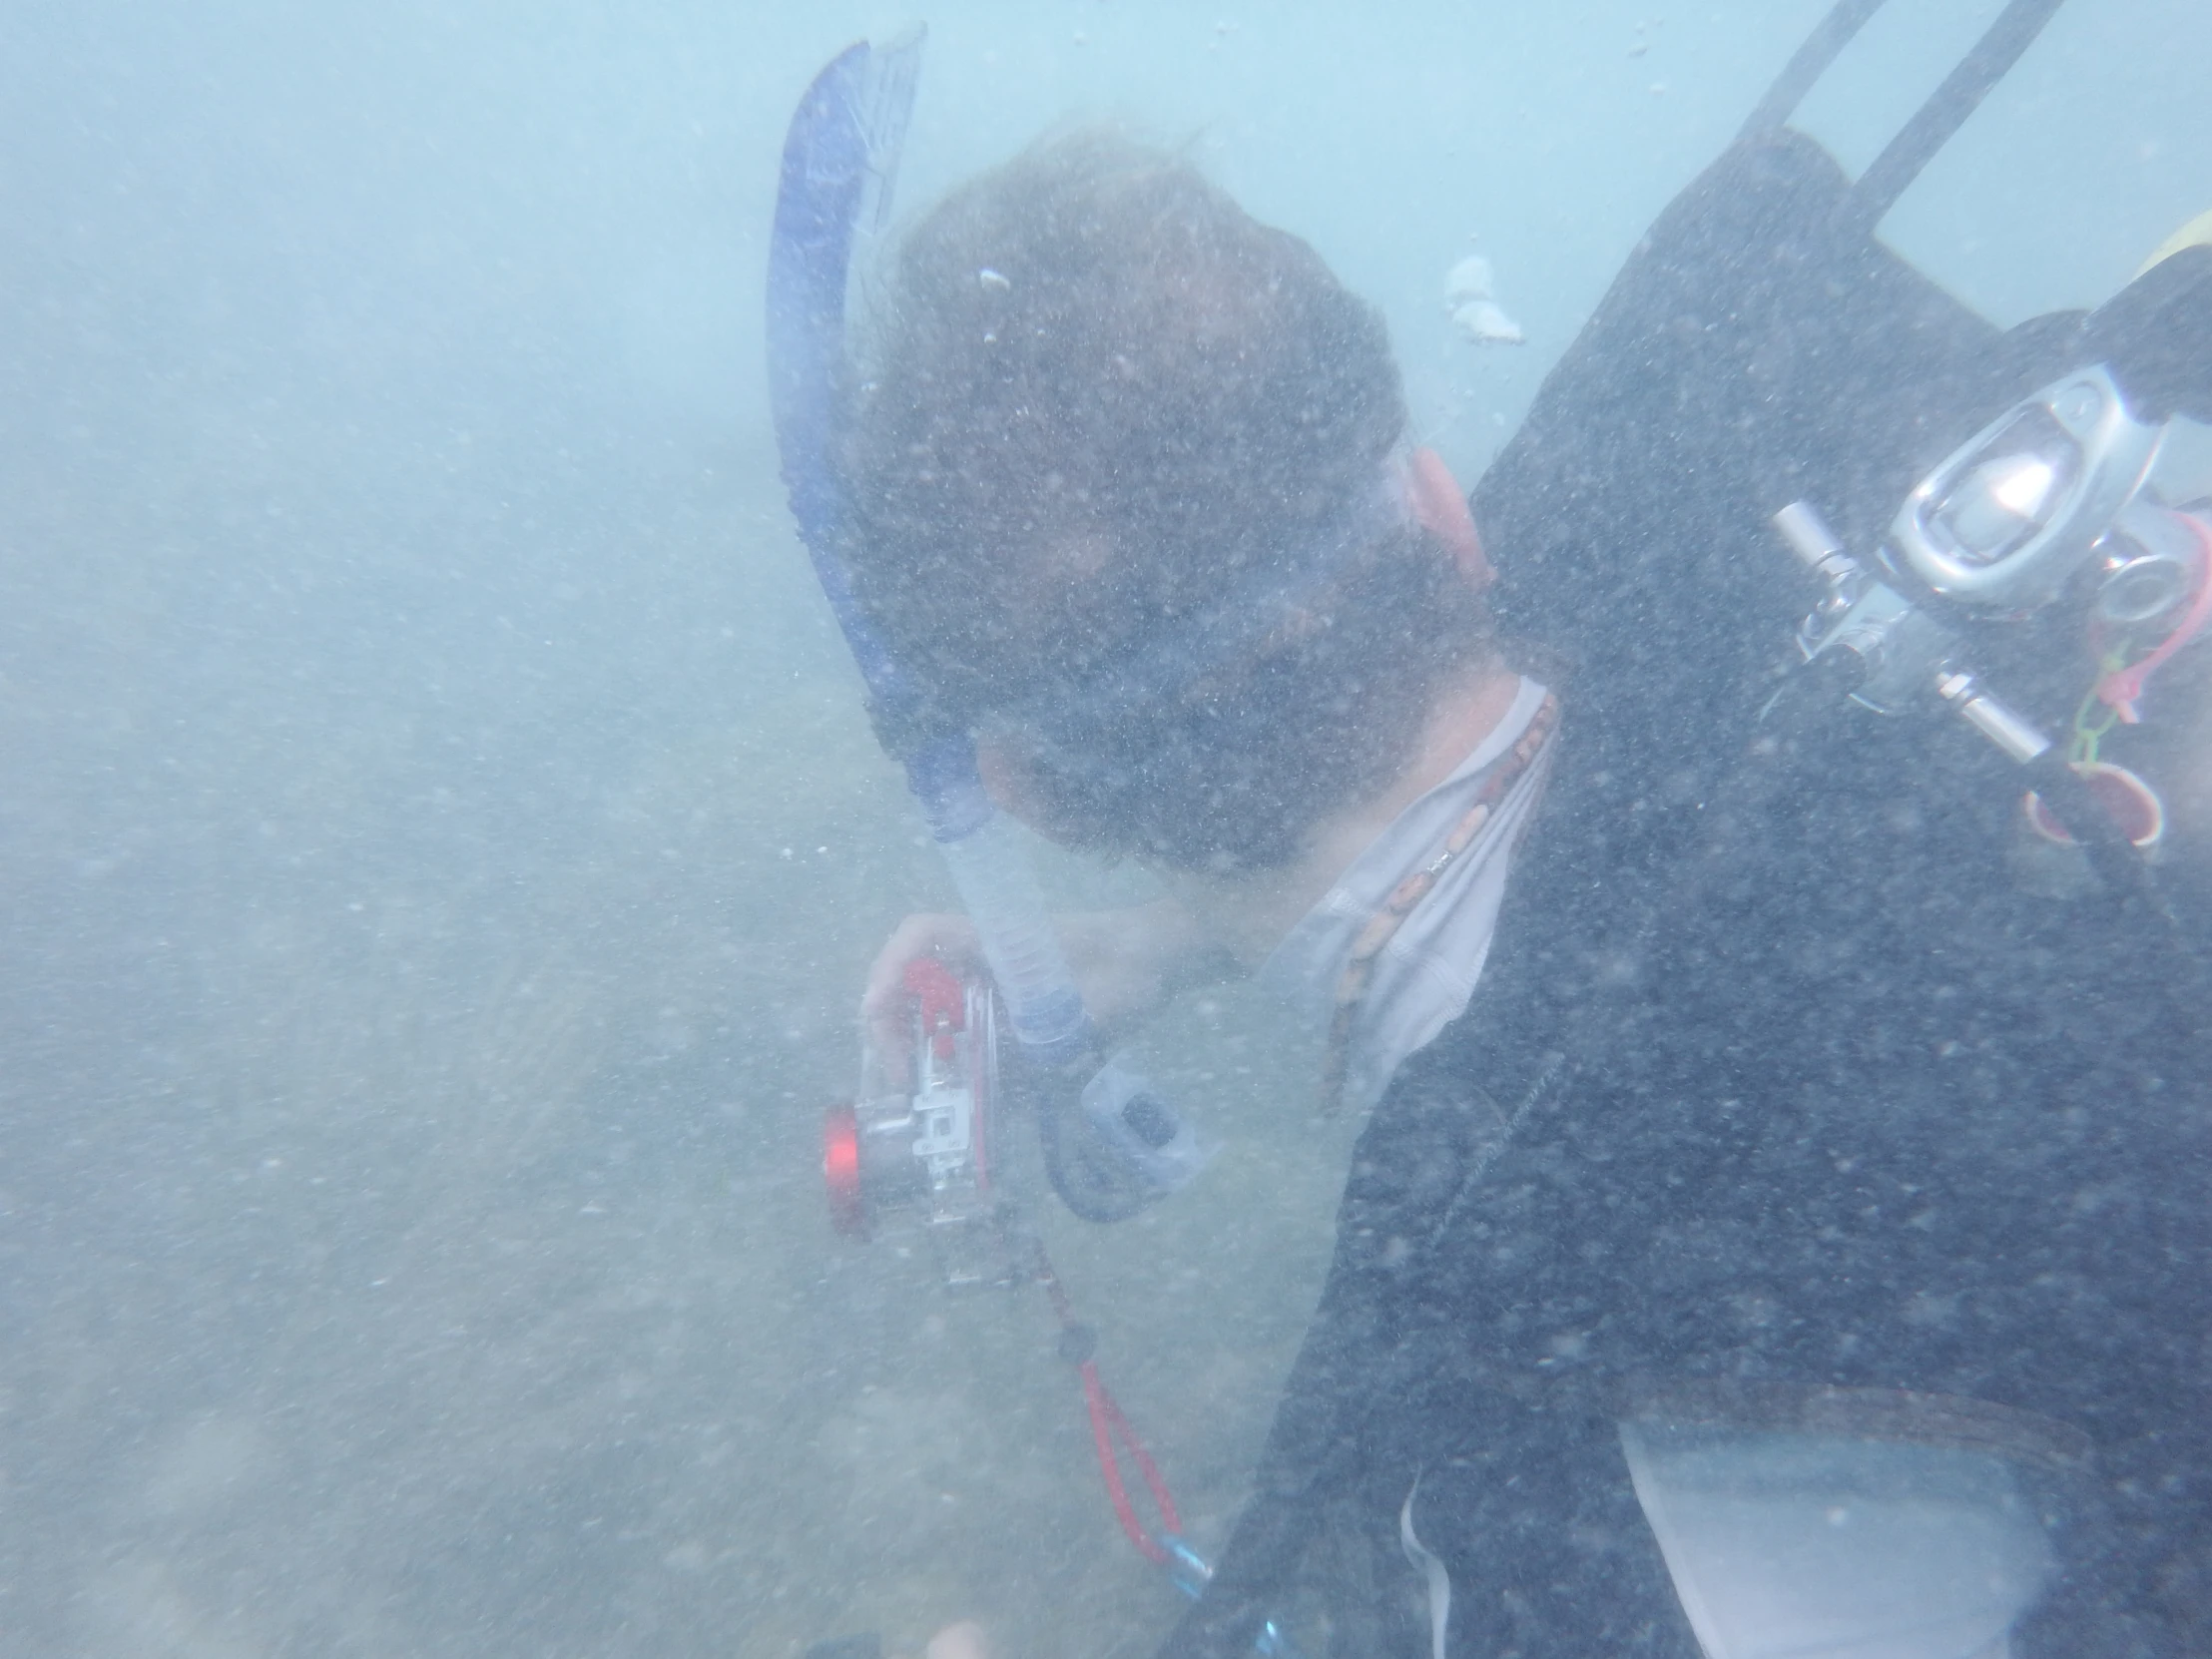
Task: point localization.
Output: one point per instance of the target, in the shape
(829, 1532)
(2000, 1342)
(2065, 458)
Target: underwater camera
(928, 1146)
(922, 1145)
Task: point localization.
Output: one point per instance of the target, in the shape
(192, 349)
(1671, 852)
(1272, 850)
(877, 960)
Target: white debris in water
(1471, 279)
(1468, 299)
(994, 281)
(1485, 323)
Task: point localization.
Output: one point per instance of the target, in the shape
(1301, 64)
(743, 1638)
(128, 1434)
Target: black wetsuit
(1806, 1088)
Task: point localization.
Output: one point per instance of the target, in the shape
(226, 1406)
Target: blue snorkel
(839, 156)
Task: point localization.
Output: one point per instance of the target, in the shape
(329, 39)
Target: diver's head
(1126, 494)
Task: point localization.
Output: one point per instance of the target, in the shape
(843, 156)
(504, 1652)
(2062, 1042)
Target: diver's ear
(1440, 509)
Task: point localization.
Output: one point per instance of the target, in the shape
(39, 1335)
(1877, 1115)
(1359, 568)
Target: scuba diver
(1132, 495)
(1800, 1244)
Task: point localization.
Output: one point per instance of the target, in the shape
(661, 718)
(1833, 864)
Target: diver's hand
(884, 1008)
(1127, 963)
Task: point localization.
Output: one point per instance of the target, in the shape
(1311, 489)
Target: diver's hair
(1098, 399)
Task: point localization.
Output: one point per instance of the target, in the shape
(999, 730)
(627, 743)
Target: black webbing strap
(1932, 125)
(1809, 62)
(1947, 109)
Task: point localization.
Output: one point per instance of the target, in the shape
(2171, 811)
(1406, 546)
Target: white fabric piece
(1484, 321)
(1815, 1546)
(1471, 279)
(1440, 1581)
(1428, 972)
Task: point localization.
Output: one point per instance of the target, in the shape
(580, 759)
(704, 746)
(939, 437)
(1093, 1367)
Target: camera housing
(922, 1151)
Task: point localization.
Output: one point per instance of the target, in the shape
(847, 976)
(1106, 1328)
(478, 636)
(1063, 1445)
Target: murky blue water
(440, 837)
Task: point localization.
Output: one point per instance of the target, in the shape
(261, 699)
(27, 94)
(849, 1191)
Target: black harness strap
(1936, 121)
(1809, 62)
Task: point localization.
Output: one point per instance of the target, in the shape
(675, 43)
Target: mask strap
(2120, 690)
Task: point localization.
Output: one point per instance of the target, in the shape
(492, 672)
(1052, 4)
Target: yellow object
(2197, 232)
